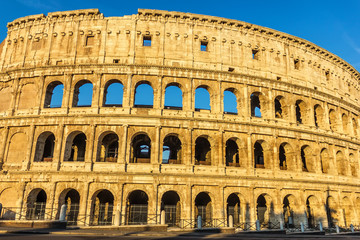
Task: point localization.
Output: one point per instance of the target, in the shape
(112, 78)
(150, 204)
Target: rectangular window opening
(255, 54)
(116, 61)
(204, 46)
(147, 41)
(327, 74)
(89, 40)
(297, 64)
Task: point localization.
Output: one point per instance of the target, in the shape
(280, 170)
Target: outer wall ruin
(298, 159)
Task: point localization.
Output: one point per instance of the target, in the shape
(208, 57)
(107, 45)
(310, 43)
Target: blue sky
(333, 25)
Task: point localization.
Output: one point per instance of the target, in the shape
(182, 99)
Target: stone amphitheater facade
(296, 162)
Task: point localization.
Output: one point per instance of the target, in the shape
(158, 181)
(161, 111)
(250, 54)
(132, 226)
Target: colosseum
(180, 115)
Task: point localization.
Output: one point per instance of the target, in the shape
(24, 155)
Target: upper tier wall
(87, 37)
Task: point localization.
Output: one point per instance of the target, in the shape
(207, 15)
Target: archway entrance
(203, 209)
(36, 204)
(288, 212)
(137, 208)
(233, 208)
(71, 198)
(170, 203)
(102, 208)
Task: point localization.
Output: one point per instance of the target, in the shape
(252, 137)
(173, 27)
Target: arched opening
(259, 155)
(170, 203)
(233, 208)
(341, 163)
(353, 165)
(345, 123)
(144, 95)
(83, 94)
(173, 97)
(45, 147)
(333, 122)
(288, 211)
(202, 151)
(108, 149)
(312, 206)
(332, 211)
(325, 160)
(355, 128)
(203, 208)
(300, 108)
(319, 116)
(171, 150)
(278, 107)
(230, 102)
(141, 149)
(71, 198)
(232, 153)
(54, 95)
(306, 159)
(113, 94)
(262, 210)
(282, 156)
(102, 208)
(137, 208)
(202, 98)
(35, 205)
(255, 105)
(75, 147)
(348, 211)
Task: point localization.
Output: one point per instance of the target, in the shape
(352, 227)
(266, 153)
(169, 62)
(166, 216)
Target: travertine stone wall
(69, 47)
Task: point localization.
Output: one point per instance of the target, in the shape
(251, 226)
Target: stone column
(95, 104)
(246, 113)
(221, 158)
(326, 116)
(40, 95)
(26, 164)
(57, 151)
(66, 102)
(90, 143)
(253, 205)
(128, 101)
(3, 146)
(124, 143)
(14, 94)
(157, 94)
(155, 156)
(250, 163)
(188, 146)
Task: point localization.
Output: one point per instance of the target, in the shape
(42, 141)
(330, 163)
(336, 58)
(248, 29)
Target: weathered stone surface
(300, 162)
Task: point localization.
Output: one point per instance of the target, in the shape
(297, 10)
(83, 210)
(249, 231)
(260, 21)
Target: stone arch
(202, 151)
(36, 204)
(16, 150)
(54, 95)
(348, 212)
(264, 209)
(341, 163)
(202, 98)
(108, 147)
(170, 203)
(230, 101)
(45, 146)
(172, 150)
(257, 104)
(9, 198)
(325, 160)
(83, 91)
(312, 211)
(137, 208)
(302, 111)
(203, 208)
(144, 94)
(353, 165)
(286, 157)
(261, 154)
(345, 123)
(332, 210)
(140, 148)
(282, 108)
(71, 198)
(233, 208)
(354, 126)
(113, 93)
(28, 96)
(6, 97)
(102, 204)
(307, 159)
(75, 147)
(319, 118)
(333, 121)
(232, 153)
(173, 96)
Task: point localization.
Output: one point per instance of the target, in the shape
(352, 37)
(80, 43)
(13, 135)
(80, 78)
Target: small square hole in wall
(297, 64)
(255, 54)
(327, 75)
(278, 78)
(116, 61)
(147, 41)
(231, 69)
(204, 46)
(89, 40)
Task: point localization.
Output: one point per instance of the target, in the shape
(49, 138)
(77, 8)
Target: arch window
(288, 211)
(355, 128)
(230, 102)
(171, 150)
(282, 157)
(170, 203)
(333, 120)
(324, 160)
(75, 147)
(262, 210)
(141, 149)
(332, 211)
(353, 165)
(232, 153)
(83, 94)
(341, 163)
(278, 108)
(45, 147)
(312, 206)
(202, 98)
(233, 208)
(203, 208)
(35, 205)
(108, 150)
(305, 153)
(137, 208)
(319, 116)
(255, 105)
(345, 123)
(113, 93)
(259, 155)
(144, 95)
(71, 198)
(54, 95)
(173, 97)
(202, 151)
(102, 208)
